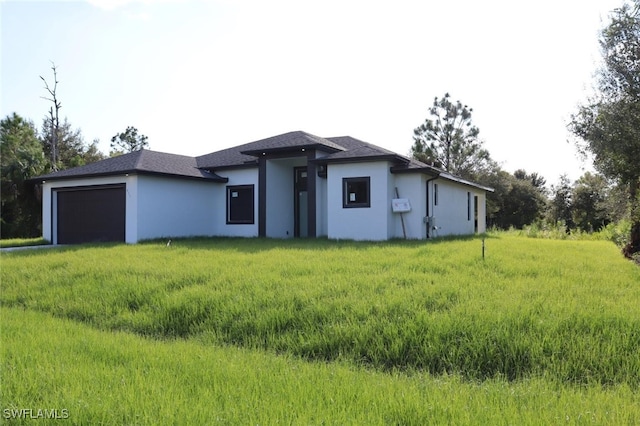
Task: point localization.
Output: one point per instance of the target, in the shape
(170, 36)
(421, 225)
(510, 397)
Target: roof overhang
(214, 178)
(427, 170)
(363, 159)
(293, 150)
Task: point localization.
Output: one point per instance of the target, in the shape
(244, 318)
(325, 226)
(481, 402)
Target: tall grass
(618, 233)
(22, 242)
(100, 377)
(565, 311)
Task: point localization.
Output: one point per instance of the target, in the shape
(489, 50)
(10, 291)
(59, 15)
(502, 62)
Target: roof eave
(292, 149)
(364, 159)
(424, 170)
(214, 178)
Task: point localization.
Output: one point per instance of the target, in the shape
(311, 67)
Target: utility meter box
(400, 205)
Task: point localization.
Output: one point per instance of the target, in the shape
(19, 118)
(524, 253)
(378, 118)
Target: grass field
(22, 242)
(261, 331)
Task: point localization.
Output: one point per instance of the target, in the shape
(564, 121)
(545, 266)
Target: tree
(72, 149)
(128, 141)
(525, 200)
(588, 207)
(560, 203)
(537, 181)
(515, 202)
(53, 121)
(449, 139)
(608, 126)
(21, 157)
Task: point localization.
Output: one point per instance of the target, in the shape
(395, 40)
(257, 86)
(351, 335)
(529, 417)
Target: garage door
(91, 214)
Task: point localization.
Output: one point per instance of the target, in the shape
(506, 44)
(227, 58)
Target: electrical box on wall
(400, 205)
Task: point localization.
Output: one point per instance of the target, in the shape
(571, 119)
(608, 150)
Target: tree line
(606, 127)
(449, 140)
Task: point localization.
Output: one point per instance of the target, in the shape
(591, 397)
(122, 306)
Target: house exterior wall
(176, 207)
(248, 176)
(321, 206)
(155, 207)
(413, 187)
(159, 206)
(454, 213)
(365, 223)
(482, 211)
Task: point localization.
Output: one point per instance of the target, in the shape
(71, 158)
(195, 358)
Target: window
(435, 194)
(355, 192)
(468, 206)
(240, 204)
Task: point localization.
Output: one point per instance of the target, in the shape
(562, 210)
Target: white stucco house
(291, 185)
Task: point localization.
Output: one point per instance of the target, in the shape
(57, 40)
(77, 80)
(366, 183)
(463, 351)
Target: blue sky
(199, 76)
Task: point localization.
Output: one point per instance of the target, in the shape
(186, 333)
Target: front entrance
(300, 202)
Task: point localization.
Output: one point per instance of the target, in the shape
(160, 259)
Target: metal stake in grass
(482, 248)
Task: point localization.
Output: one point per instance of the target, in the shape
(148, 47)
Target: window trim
(346, 204)
(230, 189)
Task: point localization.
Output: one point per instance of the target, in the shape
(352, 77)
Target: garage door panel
(91, 215)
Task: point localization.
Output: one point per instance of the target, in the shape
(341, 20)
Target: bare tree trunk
(54, 119)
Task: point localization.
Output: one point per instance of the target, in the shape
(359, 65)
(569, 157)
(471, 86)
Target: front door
(301, 205)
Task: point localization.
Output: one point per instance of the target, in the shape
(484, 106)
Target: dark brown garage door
(91, 214)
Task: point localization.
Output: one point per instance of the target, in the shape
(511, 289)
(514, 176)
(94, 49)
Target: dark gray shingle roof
(143, 162)
(357, 150)
(246, 154)
(339, 150)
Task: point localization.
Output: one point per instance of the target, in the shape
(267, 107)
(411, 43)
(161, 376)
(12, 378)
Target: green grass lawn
(22, 242)
(313, 331)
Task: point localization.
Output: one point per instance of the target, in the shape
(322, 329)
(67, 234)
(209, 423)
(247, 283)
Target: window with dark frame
(356, 192)
(468, 206)
(240, 205)
(435, 194)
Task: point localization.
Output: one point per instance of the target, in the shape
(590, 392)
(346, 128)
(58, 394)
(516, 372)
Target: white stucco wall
(453, 214)
(482, 211)
(371, 223)
(411, 186)
(163, 207)
(321, 206)
(176, 207)
(247, 176)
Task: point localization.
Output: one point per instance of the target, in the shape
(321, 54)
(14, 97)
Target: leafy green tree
(515, 202)
(588, 207)
(560, 203)
(128, 141)
(73, 151)
(525, 201)
(449, 139)
(21, 157)
(537, 181)
(608, 126)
